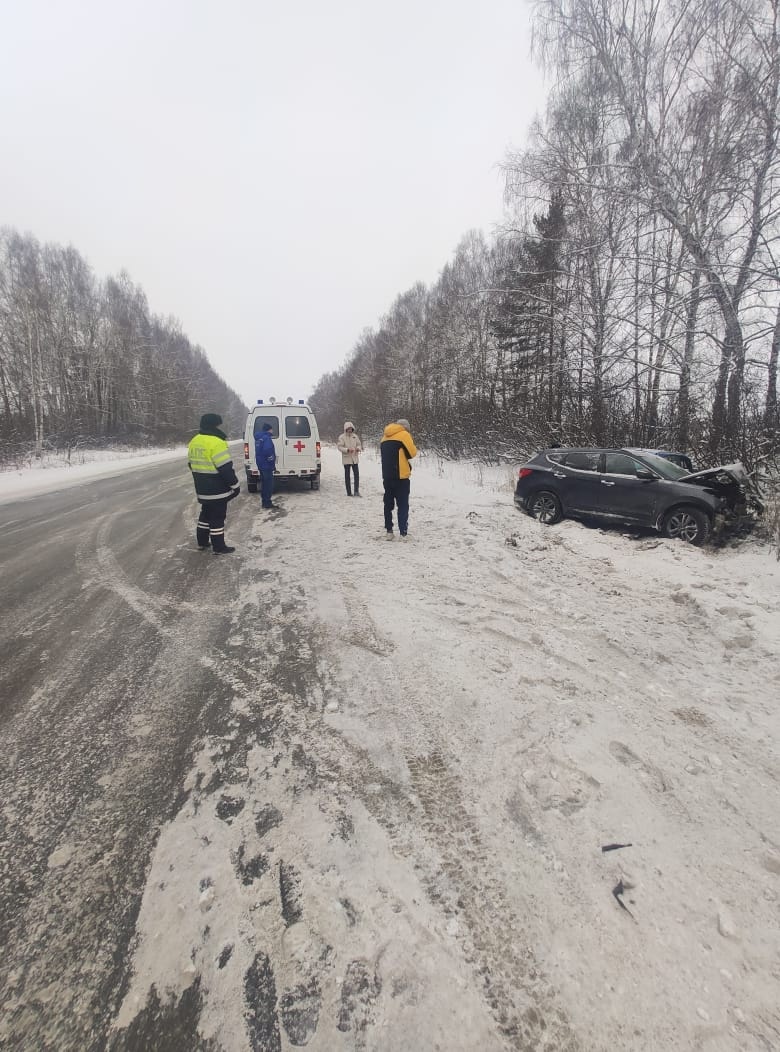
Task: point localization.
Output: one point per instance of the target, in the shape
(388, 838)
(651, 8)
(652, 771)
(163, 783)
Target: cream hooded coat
(349, 445)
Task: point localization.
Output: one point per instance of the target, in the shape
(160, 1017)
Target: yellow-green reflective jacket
(212, 468)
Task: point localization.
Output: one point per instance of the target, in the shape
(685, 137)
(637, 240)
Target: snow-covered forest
(85, 360)
(632, 295)
(629, 296)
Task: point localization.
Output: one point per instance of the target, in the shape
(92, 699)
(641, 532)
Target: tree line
(85, 361)
(632, 295)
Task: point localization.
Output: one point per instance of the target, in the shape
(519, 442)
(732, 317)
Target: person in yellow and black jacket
(208, 458)
(396, 449)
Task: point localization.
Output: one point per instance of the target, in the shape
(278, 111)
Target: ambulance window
(272, 420)
(297, 426)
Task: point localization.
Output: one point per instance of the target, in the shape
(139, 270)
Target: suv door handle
(605, 483)
(559, 474)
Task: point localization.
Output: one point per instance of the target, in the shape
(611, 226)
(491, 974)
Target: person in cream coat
(350, 448)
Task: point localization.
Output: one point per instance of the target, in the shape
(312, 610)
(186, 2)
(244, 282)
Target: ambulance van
(296, 439)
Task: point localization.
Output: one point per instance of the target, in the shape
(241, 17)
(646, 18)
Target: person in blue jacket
(265, 455)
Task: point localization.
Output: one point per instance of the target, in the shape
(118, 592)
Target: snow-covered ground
(53, 472)
(398, 843)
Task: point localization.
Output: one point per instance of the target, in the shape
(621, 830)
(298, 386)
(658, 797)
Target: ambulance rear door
(266, 415)
(297, 442)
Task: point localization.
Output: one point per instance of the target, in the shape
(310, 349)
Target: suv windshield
(665, 468)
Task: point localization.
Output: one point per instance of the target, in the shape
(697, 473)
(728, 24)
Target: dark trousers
(211, 524)
(347, 481)
(266, 487)
(397, 493)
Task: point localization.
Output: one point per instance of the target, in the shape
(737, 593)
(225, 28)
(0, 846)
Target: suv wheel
(687, 524)
(545, 507)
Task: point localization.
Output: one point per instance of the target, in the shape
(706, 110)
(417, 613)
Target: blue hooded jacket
(265, 453)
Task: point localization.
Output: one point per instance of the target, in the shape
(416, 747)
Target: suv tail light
(246, 451)
(319, 450)
(523, 473)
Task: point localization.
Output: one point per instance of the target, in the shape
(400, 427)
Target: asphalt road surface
(103, 691)
(210, 839)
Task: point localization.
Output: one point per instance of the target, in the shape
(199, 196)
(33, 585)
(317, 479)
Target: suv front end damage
(740, 498)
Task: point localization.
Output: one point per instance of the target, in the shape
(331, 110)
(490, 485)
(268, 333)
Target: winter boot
(202, 534)
(218, 542)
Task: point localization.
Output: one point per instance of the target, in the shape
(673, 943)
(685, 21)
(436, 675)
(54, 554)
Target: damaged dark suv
(626, 485)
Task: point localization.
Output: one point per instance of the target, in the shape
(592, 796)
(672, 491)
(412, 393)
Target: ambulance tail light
(246, 451)
(319, 450)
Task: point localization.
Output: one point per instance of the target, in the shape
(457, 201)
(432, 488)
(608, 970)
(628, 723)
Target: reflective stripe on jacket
(212, 467)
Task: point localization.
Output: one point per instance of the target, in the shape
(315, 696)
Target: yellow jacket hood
(395, 431)
(396, 449)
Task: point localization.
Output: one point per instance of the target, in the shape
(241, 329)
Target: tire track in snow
(296, 686)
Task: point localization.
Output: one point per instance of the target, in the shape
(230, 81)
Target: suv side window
(582, 461)
(297, 427)
(620, 464)
(272, 420)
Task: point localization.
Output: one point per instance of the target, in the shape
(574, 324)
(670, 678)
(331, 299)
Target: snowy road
(339, 793)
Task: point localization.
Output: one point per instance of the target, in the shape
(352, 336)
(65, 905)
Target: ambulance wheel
(315, 483)
(251, 487)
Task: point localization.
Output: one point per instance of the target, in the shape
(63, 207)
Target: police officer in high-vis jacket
(215, 481)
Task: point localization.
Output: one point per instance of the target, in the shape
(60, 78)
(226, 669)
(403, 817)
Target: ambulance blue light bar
(259, 401)
(300, 401)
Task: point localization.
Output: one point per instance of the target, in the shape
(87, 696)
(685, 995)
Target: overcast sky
(272, 174)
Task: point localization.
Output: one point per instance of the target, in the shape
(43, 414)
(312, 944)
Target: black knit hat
(209, 421)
